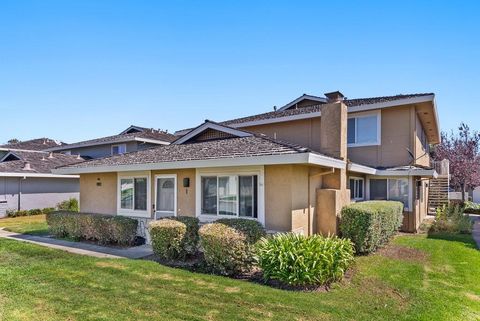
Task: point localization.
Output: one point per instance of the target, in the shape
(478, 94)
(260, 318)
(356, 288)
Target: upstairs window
(119, 149)
(363, 130)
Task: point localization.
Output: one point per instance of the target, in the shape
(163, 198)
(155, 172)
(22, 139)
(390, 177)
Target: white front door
(165, 196)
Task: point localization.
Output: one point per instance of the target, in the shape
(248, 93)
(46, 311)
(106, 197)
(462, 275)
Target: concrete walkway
(136, 252)
(476, 228)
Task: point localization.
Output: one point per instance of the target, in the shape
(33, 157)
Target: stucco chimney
(334, 96)
(333, 130)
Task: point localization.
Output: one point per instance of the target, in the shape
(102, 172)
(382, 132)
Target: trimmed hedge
(300, 260)
(225, 249)
(104, 229)
(174, 237)
(371, 224)
(252, 230)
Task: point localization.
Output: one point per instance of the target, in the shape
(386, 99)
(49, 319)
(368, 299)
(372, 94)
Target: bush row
(35, 211)
(104, 229)
(371, 224)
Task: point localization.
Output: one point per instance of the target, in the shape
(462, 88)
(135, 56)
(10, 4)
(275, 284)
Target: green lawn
(35, 224)
(438, 280)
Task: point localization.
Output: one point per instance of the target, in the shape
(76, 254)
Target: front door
(166, 196)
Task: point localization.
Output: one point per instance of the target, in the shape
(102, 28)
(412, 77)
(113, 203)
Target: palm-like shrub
(304, 260)
(451, 219)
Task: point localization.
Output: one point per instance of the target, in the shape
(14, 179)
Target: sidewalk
(81, 248)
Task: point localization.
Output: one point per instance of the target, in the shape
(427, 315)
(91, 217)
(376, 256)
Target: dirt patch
(113, 265)
(381, 290)
(403, 253)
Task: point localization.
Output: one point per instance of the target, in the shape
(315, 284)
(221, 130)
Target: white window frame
(358, 178)
(378, 114)
(132, 212)
(118, 145)
(409, 207)
(174, 213)
(231, 171)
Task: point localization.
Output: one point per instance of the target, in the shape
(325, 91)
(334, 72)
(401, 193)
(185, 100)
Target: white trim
(299, 158)
(118, 145)
(39, 175)
(152, 141)
(393, 103)
(353, 167)
(378, 115)
(238, 171)
(410, 189)
(133, 212)
(174, 176)
(299, 99)
(209, 125)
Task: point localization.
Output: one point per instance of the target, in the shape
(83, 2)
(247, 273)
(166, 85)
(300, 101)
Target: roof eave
(114, 141)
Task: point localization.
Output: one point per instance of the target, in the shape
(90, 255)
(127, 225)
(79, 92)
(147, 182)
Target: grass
(418, 277)
(35, 224)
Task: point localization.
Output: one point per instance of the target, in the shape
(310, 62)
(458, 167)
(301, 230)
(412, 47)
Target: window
(229, 195)
(133, 193)
(392, 189)
(356, 188)
(363, 130)
(119, 149)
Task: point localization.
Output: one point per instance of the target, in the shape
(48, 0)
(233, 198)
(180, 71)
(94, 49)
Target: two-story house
(131, 139)
(292, 169)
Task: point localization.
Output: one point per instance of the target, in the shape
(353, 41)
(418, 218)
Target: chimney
(50, 155)
(334, 97)
(27, 167)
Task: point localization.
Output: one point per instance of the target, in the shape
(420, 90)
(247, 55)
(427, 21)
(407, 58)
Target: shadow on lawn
(466, 239)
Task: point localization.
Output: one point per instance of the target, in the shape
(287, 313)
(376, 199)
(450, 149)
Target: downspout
(309, 212)
(20, 179)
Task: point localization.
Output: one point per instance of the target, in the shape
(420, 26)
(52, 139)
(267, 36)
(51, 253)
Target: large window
(229, 195)
(133, 193)
(363, 130)
(119, 149)
(392, 189)
(356, 188)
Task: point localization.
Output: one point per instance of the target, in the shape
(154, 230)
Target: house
(131, 139)
(292, 169)
(26, 178)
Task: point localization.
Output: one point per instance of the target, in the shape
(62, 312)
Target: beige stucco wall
(185, 195)
(421, 155)
(98, 198)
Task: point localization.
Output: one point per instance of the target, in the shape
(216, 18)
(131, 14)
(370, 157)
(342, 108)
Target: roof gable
(133, 129)
(211, 131)
(310, 99)
(10, 157)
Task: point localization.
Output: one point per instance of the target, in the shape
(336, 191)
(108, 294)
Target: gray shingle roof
(147, 134)
(217, 149)
(316, 108)
(34, 144)
(40, 162)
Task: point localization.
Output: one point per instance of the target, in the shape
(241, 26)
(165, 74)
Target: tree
(462, 150)
(13, 141)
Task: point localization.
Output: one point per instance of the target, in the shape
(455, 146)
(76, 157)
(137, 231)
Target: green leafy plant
(371, 224)
(225, 249)
(452, 219)
(174, 237)
(69, 205)
(304, 260)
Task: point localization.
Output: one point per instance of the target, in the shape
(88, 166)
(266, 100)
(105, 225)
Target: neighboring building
(27, 181)
(292, 169)
(132, 139)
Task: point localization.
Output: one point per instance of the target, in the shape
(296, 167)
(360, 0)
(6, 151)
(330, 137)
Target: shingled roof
(34, 144)
(316, 108)
(215, 149)
(38, 162)
(150, 134)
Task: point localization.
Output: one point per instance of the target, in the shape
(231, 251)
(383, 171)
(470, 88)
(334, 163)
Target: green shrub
(252, 230)
(47, 210)
(190, 241)
(226, 250)
(371, 224)
(167, 238)
(452, 219)
(35, 211)
(104, 229)
(304, 260)
(70, 205)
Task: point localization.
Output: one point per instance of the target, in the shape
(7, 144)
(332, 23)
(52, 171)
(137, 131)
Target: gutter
(37, 175)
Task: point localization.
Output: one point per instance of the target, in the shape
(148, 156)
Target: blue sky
(73, 70)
